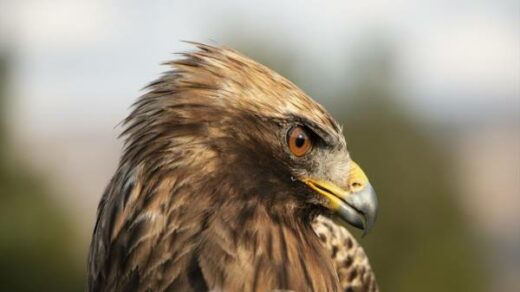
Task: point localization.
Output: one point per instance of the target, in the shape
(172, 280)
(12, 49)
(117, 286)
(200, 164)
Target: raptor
(231, 179)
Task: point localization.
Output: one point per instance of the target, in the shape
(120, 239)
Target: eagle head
(225, 163)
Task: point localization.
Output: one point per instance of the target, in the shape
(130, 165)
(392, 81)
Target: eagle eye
(299, 141)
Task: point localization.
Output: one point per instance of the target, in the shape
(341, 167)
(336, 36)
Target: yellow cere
(357, 179)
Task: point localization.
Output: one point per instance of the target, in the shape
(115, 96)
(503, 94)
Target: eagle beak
(357, 205)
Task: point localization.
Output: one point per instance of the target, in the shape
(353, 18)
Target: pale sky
(84, 62)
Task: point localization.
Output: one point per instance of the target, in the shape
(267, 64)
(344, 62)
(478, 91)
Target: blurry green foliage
(37, 241)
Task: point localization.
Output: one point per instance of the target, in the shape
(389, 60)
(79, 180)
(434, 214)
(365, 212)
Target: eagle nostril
(356, 186)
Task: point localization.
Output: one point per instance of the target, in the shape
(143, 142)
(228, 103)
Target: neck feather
(256, 250)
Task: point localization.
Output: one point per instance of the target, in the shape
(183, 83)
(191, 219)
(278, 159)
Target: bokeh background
(428, 93)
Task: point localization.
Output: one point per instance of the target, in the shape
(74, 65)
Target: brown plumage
(208, 194)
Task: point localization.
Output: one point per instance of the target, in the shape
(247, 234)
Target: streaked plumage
(349, 258)
(207, 195)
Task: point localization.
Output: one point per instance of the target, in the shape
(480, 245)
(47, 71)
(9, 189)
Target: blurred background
(428, 93)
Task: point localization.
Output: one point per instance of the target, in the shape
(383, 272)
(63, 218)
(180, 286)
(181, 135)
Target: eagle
(231, 178)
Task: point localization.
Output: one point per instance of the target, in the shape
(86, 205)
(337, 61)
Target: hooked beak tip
(360, 209)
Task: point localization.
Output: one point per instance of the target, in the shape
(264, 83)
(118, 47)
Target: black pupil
(300, 140)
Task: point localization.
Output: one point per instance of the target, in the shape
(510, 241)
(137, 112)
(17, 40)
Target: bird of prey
(231, 179)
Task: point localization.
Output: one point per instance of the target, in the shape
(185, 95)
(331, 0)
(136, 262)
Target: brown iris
(299, 141)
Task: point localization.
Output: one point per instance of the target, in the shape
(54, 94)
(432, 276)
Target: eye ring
(299, 141)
